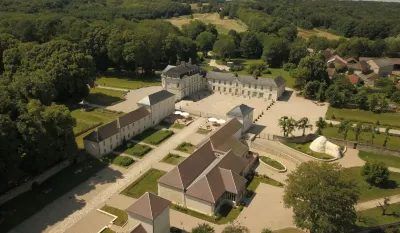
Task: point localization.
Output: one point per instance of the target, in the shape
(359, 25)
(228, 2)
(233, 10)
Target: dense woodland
(51, 50)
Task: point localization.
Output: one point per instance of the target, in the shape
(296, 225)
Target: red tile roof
(354, 79)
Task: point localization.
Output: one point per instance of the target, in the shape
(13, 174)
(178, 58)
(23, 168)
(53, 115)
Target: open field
(146, 183)
(373, 217)
(368, 192)
(223, 25)
(128, 80)
(392, 119)
(104, 97)
(305, 148)
(365, 137)
(87, 119)
(304, 33)
(25, 205)
(390, 161)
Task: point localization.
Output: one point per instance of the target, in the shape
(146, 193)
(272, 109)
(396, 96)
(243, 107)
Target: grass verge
(203, 131)
(373, 217)
(122, 216)
(119, 160)
(178, 126)
(227, 214)
(154, 137)
(146, 183)
(138, 150)
(391, 161)
(305, 148)
(173, 159)
(257, 180)
(186, 147)
(272, 162)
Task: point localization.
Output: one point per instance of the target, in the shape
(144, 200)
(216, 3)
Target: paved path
(213, 63)
(41, 219)
(113, 88)
(375, 203)
(382, 130)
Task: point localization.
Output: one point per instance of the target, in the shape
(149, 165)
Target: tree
(7, 41)
(283, 125)
(205, 42)
(321, 124)
(385, 205)
(376, 173)
(250, 46)
(311, 89)
(373, 103)
(344, 128)
(310, 68)
(203, 228)
(297, 52)
(235, 228)
(95, 44)
(304, 123)
(291, 126)
(387, 136)
(224, 47)
(276, 52)
(396, 97)
(357, 128)
(266, 230)
(307, 190)
(361, 99)
(194, 28)
(288, 33)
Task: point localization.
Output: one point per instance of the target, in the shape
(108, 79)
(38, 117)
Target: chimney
(190, 61)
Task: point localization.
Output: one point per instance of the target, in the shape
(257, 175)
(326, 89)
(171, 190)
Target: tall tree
(7, 41)
(250, 46)
(283, 124)
(205, 42)
(344, 128)
(387, 136)
(276, 52)
(358, 128)
(320, 124)
(307, 190)
(224, 47)
(303, 124)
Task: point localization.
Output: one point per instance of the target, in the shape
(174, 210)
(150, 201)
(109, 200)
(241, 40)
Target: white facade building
(244, 114)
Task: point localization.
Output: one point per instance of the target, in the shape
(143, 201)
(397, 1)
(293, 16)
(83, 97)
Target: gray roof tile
(155, 98)
(240, 111)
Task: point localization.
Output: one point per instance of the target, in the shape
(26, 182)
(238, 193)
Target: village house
(382, 66)
(187, 79)
(213, 175)
(354, 79)
(151, 110)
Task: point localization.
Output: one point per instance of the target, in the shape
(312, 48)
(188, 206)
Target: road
(40, 221)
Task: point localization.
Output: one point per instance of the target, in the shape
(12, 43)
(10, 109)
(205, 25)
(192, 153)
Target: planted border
(272, 163)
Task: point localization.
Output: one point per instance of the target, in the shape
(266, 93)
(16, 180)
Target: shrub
(330, 124)
(129, 145)
(203, 228)
(237, 68)
(240, 208)
(289, 66)
(266, 230)
(376, 173)
(378, 123)
(126, 161)
(267, 71)
(333, 117)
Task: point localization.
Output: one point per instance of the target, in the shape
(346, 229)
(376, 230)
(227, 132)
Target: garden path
(213, 63)
(113, 88)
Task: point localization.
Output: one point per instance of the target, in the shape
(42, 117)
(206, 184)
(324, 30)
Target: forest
(52, 50)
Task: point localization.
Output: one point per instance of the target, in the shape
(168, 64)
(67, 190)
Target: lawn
(137, 150)
(223, 25)
(178, 126)
(154, 137)
(121, 214)
(392, 119)
(173, 159)
(146, 183)
(289, 230)
(262, 179)
(107, 230)
(186, 147)
(391, 161)
(373, 217)
(203, 131)
(120, 160)
(88, 119)
(369, 192)
(104, 97)
(365, 137)
(272, 163)
(25, 205)
(226, 212)
(127, 83)
(304, 33)
(305, 148)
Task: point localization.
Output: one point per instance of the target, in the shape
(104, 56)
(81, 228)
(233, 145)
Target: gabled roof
(133, 116)
(274, 82)
(240, 111)
(233, 162)
(155, 98)
(331, 72)
(228, 129)
(382, 62)
(186, 172)
(181, 70)
(103, 132)
(354, 79)
(232, 143)
(233, 182)
(139, 229)
(149, 206)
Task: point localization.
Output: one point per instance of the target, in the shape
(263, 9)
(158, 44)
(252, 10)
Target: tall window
(177, 85)
(249, 85)
(255, 86)
(213, 80)
(224, 82)
(219, 81)
(270, 88)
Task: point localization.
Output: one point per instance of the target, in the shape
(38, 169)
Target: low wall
(28, 185)
(275, 152)
(299, 139)
(201, 114)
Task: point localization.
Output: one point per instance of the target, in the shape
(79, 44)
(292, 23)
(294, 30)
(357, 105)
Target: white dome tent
(322, 145)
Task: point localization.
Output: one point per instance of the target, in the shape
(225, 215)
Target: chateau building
(187, 79)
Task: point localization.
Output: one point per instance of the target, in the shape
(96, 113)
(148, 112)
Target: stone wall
(278, 153)
(299, 139)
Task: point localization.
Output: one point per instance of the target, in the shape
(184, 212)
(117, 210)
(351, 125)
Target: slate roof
(155, 98)
(103, 132)
(182, 70)
(149, 206)
(133, 116)
(240, 111)
(274, 82)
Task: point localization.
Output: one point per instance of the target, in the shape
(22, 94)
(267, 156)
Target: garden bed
(138, 150)
(273, 163)
(186, 147)
(173, 159)
(203, 131)
(146, 183)
(154, 137)
(122, 216)
(178, 126)
(120, 160)
(373, 217)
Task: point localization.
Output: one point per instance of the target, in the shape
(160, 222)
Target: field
(104, 97)
(146, 183)
(365, 137)
(223, 25)
(369, 192)
(391, 161)
(87, 119)
(316, 32)
(392, 119)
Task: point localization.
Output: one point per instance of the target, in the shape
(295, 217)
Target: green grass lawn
(107, 230)
(154, 137)
(146, 183)
(369, 192)
(121, 214)
(87, 119)
(365, 137)
(305, 148)
(391, 161)
(178, 126)
(392, 119)
(272, 162)
(173, 159)
(138, 150)
(25, 205)
(128, 80)
(373, 217)
(104, 97)
(262, 179)
(186, 147)
(203, 131)
(227, 213)
(289, 230)
(120, 160)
